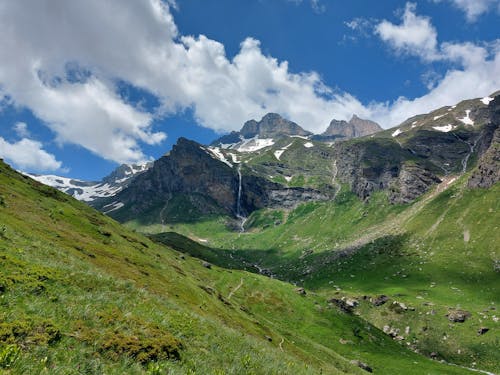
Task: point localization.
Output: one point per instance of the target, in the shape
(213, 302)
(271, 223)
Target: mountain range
(272, 250)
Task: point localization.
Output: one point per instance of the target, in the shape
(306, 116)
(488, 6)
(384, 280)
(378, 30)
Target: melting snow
(288, 178)
(397, 132)
(299, 136)
(215, 151)
(437, 117)
(444, 129)
(308, 145)
(467, 120)
(486, 100)
(278, 153)
(81, 190)
(254, 144)
(234, 158)
(113, 207)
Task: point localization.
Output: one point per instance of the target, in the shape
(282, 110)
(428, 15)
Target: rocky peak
(356, 127)
(272, 125)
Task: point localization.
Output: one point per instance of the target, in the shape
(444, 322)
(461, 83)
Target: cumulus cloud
(28, 154)
(474, 8)
(64, 59)
(415, 35)
(476, 69)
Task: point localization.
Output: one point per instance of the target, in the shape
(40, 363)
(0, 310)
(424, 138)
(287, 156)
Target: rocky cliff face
(271, 126)
(206, 184)
(487, 172)
(356, 127)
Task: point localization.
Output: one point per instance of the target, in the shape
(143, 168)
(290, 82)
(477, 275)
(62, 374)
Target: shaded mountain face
(92, 191)
(255, 135)
(356, 127)
(193, 181)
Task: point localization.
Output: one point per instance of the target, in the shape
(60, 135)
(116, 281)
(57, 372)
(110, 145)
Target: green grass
(80, 294)
(435, 255)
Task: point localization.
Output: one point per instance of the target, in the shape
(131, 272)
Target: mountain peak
(272, 126)
(356, 127)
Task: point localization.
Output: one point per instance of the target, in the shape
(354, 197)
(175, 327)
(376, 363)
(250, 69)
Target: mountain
(371, 254)
(256, 135)
(341, 130)
(73, 278)
(92, 191)
(193, 181)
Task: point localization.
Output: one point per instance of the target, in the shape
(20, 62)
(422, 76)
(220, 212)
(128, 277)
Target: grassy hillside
(71, 278)
(436, 257)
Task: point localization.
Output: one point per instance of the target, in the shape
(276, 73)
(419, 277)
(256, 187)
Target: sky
(88, 85)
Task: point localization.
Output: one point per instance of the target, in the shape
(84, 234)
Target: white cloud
(476, 72)
(21, 129)
(71, 87)
(28, 154)
(415, 35)
(474, 8)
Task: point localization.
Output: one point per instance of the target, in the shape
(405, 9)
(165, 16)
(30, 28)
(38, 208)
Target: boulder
(361, 365)
(482, 330)
(458, 316)
(301, 291)
(380, 300)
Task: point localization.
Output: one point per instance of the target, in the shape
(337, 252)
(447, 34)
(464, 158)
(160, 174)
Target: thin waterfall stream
(239, 215)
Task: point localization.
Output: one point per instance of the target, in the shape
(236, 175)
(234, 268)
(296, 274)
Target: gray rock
(362, 365)
(458, 316)
(380, 300)
(482, 330)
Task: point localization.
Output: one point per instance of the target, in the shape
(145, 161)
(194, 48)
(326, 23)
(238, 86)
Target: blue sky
(85, 86)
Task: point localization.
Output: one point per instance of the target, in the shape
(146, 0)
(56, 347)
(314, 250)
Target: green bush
(28, 332)
(142, 349)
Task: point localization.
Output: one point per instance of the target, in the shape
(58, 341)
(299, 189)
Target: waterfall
(238, 203)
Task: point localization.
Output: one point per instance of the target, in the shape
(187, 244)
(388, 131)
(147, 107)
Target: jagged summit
(356, 127)
(255, 135)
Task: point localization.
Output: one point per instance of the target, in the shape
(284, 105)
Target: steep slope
(193, 182)
(414, 271)
(409, 159)
(343, 130)
(73, 278)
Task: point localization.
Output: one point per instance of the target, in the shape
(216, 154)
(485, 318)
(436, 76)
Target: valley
(271, 251)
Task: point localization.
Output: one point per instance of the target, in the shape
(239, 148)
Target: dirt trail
(235, 289)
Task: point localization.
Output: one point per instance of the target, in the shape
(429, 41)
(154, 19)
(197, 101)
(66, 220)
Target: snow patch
(217, 154)
(299, 136)
(308, 145)
(113, 207)
(288, 178)
(397, 132)
(467, 120)
(486, 100)
(278, 153)
(234, 158)
(444, 129)
(254, 144)
(437, 117)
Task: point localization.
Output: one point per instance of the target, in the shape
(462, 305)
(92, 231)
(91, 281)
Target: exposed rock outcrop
(193, 182)
(356, 127)
(271, 126)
